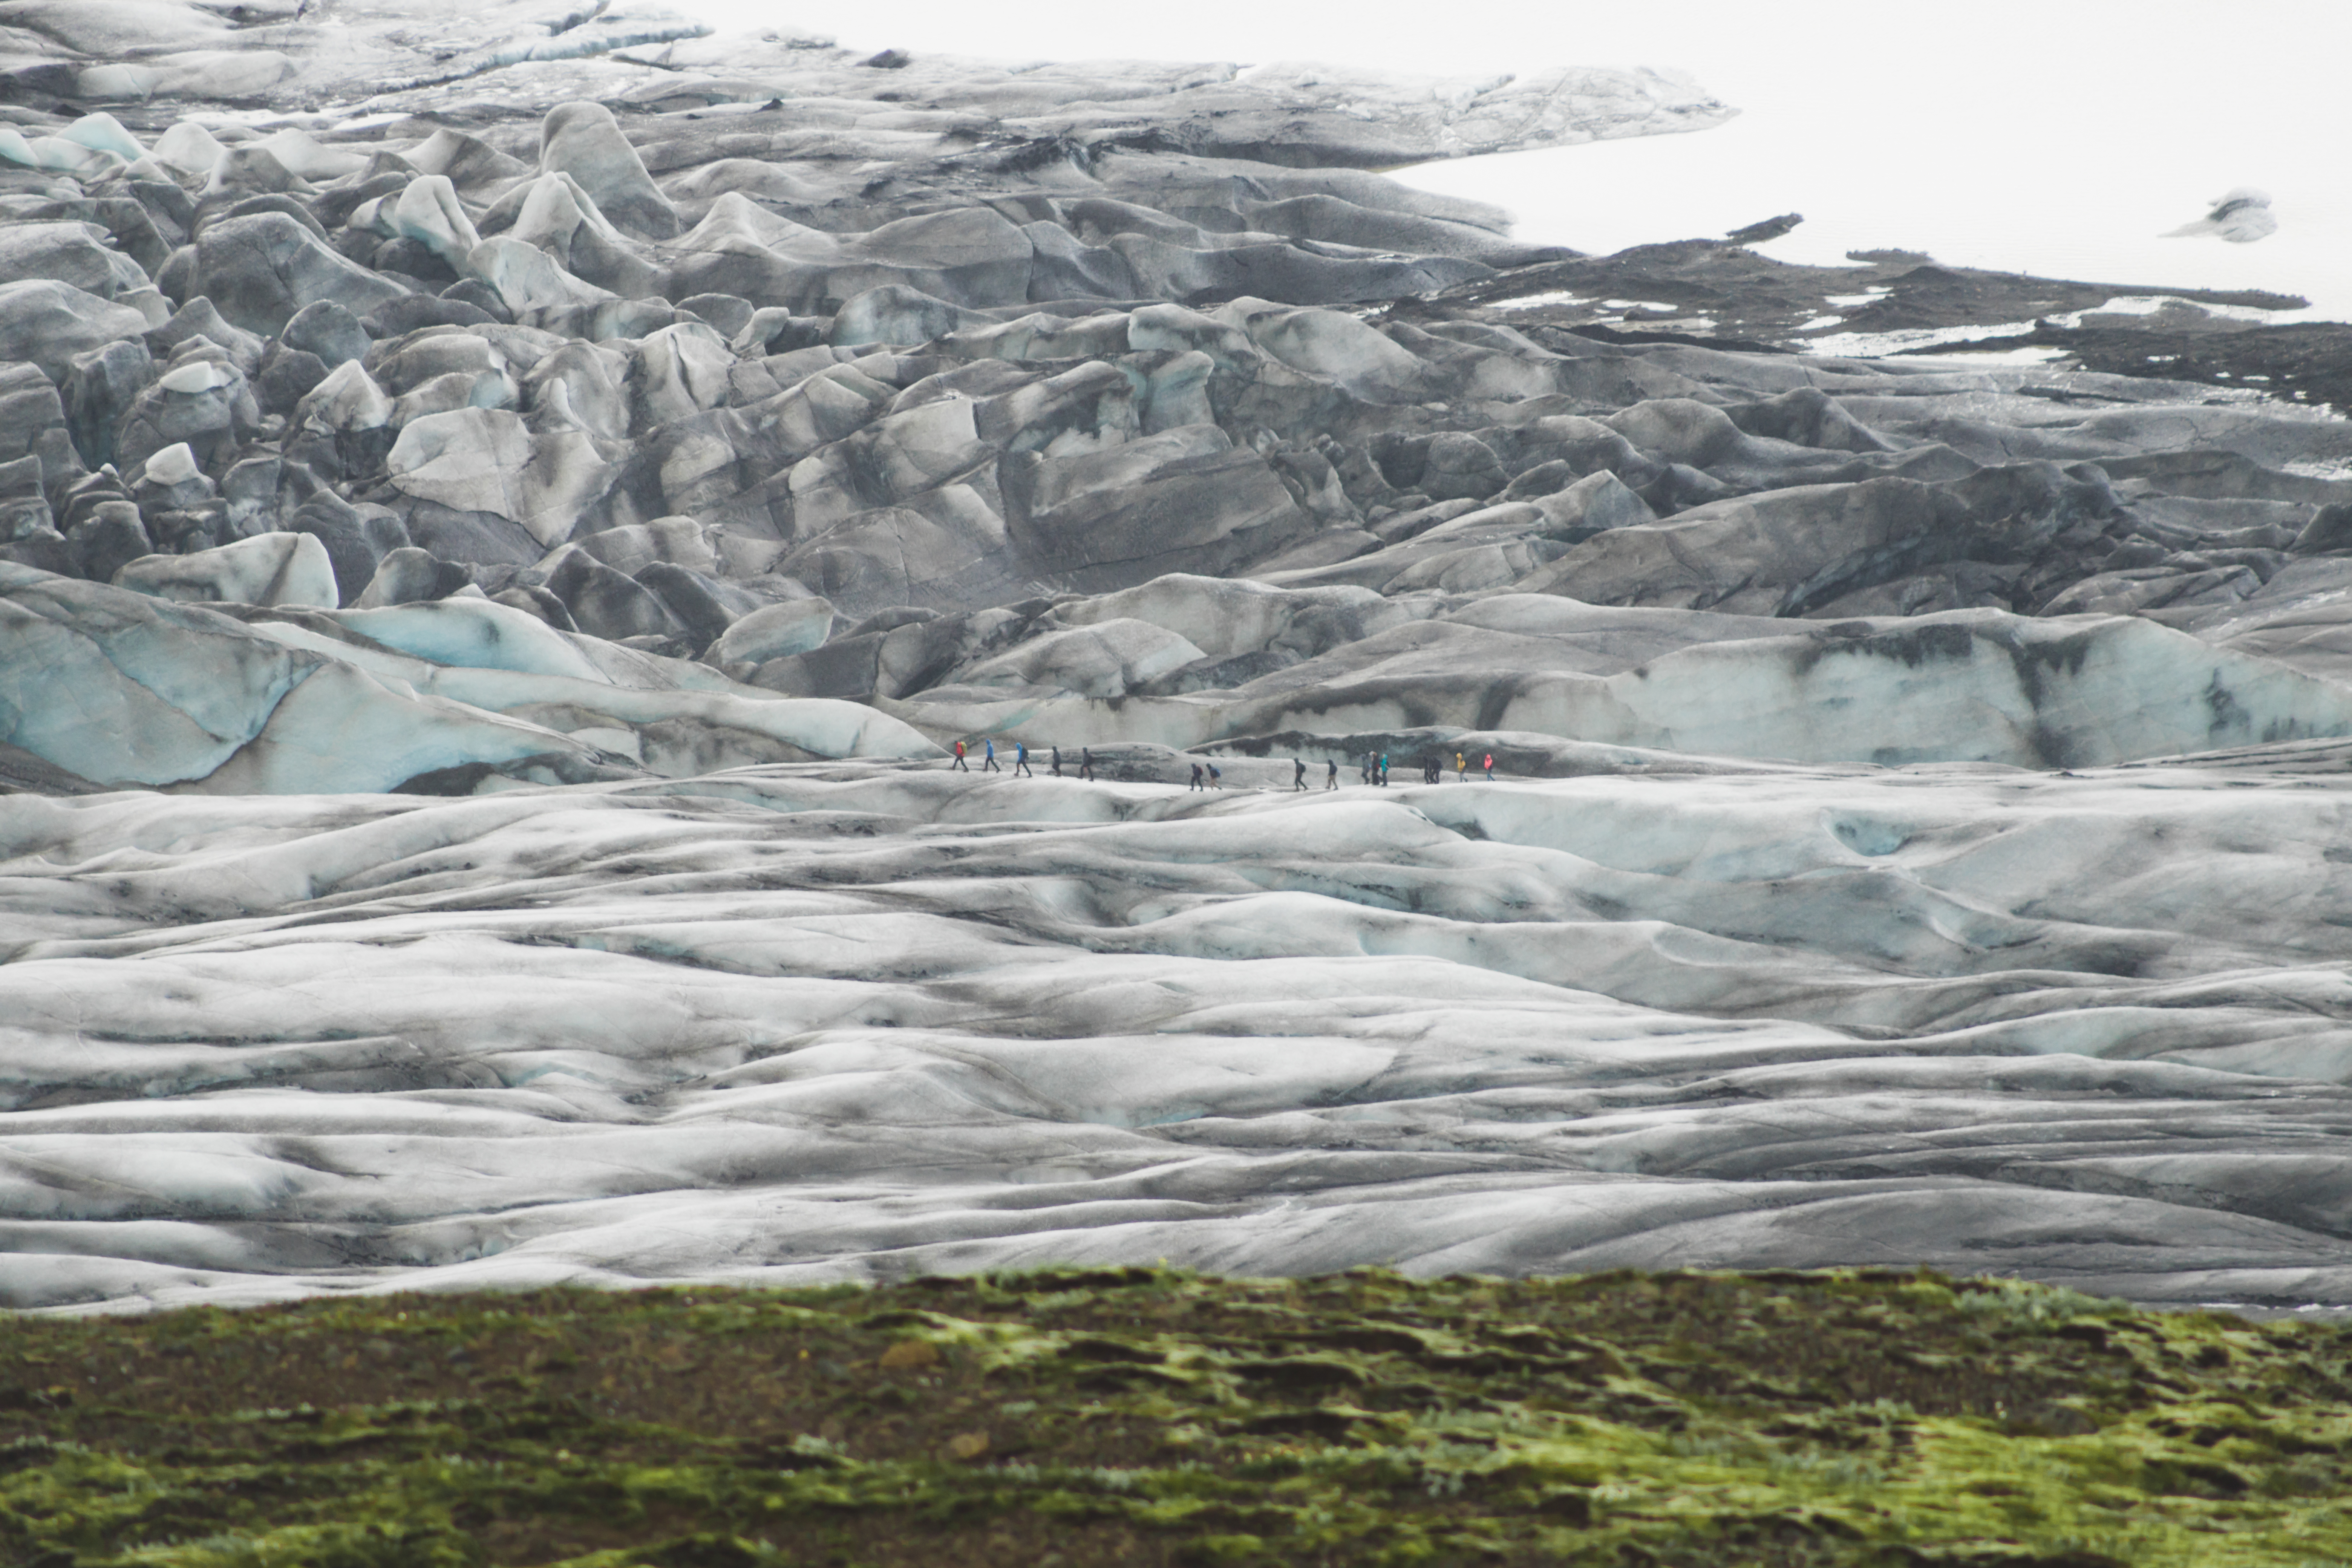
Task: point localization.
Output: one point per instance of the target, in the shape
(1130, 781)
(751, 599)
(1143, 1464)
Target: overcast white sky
(2052, 136)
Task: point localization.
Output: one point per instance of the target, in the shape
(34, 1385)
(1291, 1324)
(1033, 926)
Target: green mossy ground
(1147, 1416)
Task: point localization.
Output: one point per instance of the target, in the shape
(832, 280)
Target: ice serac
(487, 459)
(131, 689)
(267, 569)
(46, 322)
(125, 689)
(583, 141)
(260, 269)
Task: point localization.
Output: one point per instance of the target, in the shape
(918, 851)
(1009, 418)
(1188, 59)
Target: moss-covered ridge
(1141, 1416)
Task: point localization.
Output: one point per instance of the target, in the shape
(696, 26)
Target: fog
(2052, 139)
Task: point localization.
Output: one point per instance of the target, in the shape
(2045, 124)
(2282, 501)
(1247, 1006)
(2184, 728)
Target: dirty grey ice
(507, 509)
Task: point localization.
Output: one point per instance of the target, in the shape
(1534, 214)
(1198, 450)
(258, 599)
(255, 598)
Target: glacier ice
(497, 548)
(847, 1021)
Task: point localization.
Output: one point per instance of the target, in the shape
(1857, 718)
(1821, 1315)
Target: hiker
(1382, 779)
(1298, 775)
(1367, 769)
(1216, 779)
(1490, 767)
(1020, 761)
(958, 759)
(1196, 777)
(1086, 763)
(1461, 768)
(988, 765)
(1331, 779)
(1058, 762)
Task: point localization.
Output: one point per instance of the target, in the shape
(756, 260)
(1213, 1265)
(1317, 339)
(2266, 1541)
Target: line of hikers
(1433, 768)
(1206, 776)
(1021, 759)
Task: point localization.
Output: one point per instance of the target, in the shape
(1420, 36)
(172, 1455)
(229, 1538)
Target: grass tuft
(1150, 1417)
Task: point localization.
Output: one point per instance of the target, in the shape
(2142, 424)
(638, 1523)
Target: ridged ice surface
(869, 1019)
